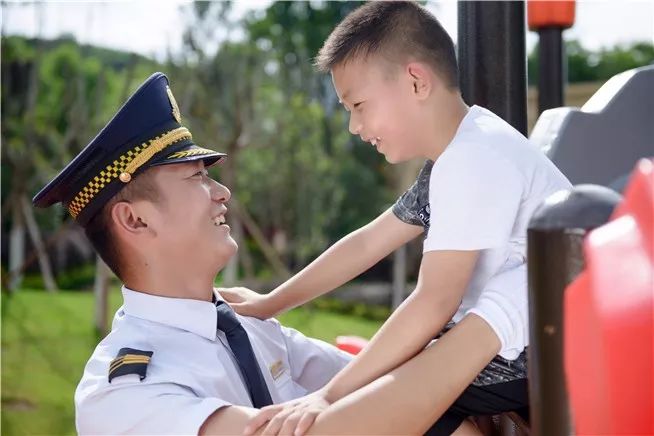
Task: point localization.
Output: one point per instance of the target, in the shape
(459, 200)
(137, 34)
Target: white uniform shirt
(192, 371)
(483, 190)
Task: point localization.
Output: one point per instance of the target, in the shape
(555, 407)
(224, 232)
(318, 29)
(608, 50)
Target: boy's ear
(126, 218)
(420, 79)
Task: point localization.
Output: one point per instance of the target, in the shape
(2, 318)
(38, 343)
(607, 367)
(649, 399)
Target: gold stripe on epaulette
(129, 358)
(127, 163)
(114, 366)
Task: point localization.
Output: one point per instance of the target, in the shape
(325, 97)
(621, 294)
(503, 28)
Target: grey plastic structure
(601, 142)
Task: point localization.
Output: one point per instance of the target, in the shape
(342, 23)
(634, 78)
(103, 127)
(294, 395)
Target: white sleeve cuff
(509, 322)
(203, 411)
(144, 411)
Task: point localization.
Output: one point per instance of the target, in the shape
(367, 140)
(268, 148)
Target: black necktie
(238, 341)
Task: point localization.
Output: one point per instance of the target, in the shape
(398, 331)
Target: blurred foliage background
(300, 180)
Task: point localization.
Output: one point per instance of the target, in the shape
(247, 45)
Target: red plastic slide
(609, 322)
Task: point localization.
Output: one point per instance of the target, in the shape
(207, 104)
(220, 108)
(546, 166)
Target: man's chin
(225, 252)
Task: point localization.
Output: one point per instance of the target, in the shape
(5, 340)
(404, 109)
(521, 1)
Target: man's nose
(220, 192)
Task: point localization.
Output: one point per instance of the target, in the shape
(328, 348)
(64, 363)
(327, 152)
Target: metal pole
(554, 254)
(551, 68)
(492, 58)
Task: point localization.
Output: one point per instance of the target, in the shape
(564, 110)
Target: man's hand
(290, 418)
(248, 303)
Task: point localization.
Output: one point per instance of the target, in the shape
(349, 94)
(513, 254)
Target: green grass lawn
(47, 338)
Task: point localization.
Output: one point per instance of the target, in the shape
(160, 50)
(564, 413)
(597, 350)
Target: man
(176, 353)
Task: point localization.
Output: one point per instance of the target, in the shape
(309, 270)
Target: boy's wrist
(275, 300)
(329, 394)
(334, 391)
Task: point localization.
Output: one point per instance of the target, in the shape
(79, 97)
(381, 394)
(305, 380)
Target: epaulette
(129, 361)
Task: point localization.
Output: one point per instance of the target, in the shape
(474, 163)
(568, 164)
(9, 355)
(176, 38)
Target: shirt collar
(194, 316)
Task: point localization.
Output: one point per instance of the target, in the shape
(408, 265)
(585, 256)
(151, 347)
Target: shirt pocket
(280, 372)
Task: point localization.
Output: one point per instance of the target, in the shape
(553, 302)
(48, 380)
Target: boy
(394, 69)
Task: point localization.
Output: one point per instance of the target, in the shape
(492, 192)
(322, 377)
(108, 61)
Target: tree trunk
(100, 290)
(268, 251)
(244, 256)
(37, 242)
(16, 246)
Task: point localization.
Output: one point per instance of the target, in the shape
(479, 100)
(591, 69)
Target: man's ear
(420, 79)
(126, 219)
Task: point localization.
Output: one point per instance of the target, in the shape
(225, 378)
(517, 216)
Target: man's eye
(358, 105)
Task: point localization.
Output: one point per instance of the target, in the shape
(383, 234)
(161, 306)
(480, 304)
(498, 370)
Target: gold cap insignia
(173, 103)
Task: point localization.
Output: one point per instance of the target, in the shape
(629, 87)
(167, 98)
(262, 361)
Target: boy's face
(382, 105)
(187, 221)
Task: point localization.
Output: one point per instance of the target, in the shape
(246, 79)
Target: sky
(152, 27)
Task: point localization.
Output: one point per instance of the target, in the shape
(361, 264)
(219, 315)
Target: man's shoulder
(123, 345)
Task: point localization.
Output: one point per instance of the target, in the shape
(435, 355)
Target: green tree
(54, 101)
(586, 66)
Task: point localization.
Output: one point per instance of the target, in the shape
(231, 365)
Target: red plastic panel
(609, 320)
(351, 344)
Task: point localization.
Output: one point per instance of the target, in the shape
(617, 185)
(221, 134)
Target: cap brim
(190, 153)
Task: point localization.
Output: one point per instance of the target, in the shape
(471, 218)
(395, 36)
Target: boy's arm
(410, 398)
(444, 276)
(407, 400)
(343, 261)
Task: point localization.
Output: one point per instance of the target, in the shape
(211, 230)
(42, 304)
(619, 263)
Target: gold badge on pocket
(277, 369)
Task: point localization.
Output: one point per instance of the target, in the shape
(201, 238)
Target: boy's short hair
(99, 229)
(399, 30)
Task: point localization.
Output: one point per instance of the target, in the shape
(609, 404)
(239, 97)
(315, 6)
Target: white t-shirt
(192, 371)
(483, 190)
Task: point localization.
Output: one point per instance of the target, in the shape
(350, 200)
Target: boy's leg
(467, 428)
(500, 387)
(411, 397)
(483, 400)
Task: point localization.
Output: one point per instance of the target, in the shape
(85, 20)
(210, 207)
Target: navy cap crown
(146, 131)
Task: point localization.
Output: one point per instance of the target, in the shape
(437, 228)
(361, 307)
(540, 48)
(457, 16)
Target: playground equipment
(601, 142)
(554, 239)
(597, 144)
(609, 319)
(351, 344)
(549, 19)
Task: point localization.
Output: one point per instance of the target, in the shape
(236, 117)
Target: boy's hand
(247, 302)
(290, 418)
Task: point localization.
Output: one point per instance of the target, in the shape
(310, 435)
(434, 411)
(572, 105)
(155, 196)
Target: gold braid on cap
(123, 167)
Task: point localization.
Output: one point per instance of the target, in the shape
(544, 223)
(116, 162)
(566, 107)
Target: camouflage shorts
(499, 370)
